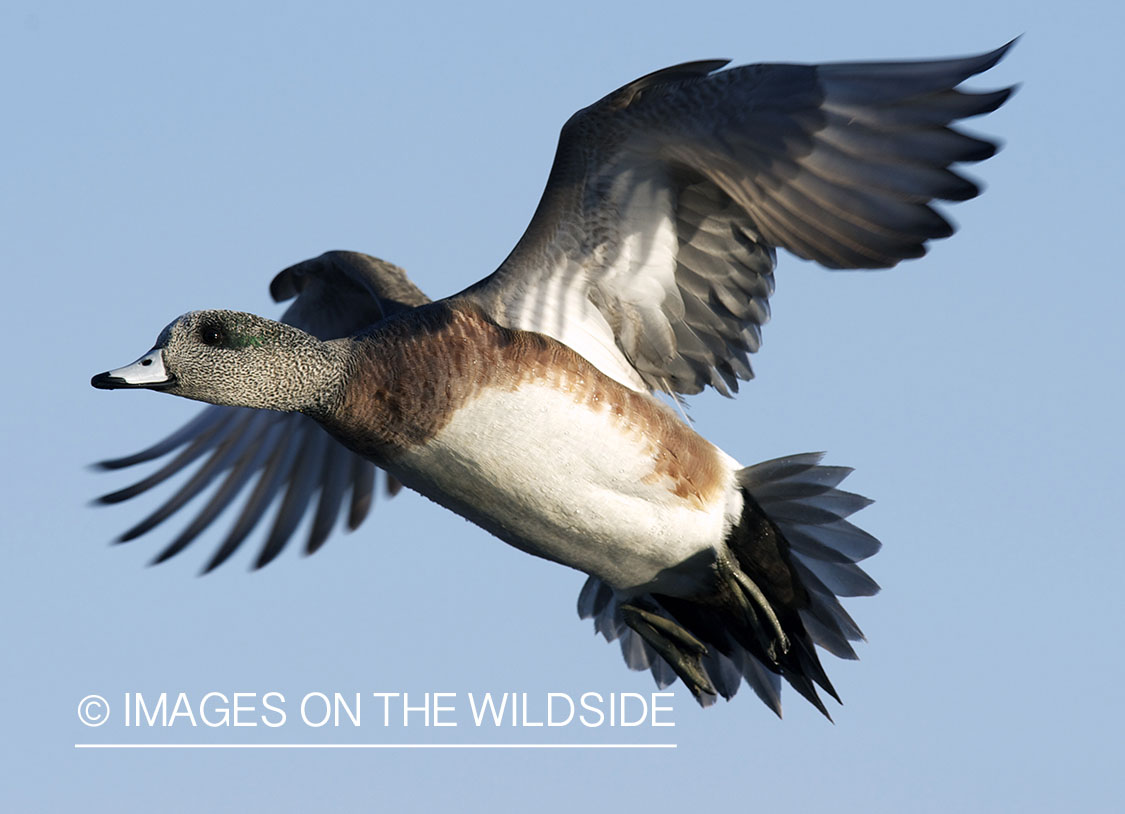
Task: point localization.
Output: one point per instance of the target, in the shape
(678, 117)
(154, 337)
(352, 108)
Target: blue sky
(166, 159)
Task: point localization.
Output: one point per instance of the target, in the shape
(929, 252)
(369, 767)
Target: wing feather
(668, 198)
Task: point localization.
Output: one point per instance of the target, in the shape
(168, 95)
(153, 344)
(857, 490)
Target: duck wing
(259, 456)
(652, 250)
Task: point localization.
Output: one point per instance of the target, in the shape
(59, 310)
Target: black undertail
(775, 595)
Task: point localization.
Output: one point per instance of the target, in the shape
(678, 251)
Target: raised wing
(652, 250)
(278, 454)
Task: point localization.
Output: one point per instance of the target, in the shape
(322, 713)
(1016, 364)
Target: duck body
(521, 435)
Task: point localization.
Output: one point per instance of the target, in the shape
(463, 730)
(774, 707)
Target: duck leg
(677, 646)
(752, 601)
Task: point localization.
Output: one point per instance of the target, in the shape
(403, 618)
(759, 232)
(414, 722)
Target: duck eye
(210, 335)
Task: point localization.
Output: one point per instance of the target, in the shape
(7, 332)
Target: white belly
(569, 483)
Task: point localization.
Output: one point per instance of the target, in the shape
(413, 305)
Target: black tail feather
(787, 560)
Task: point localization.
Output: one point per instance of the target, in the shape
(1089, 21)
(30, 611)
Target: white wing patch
(639, 281)
(556, 305)
(619, 299)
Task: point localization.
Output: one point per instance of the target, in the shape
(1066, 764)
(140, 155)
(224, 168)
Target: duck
(540, 403)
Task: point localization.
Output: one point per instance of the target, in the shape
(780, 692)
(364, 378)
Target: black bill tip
(104, 381)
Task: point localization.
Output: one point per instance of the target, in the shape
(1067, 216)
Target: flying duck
(528, 402)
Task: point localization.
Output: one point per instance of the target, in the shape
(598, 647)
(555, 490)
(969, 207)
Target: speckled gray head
(234, 358)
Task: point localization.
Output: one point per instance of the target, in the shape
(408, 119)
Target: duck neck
(320, 384)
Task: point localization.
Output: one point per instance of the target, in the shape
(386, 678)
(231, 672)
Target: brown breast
(409, 376)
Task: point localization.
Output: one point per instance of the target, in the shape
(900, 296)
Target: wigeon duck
(528, 404)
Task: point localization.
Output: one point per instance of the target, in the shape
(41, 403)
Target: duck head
(234, 358)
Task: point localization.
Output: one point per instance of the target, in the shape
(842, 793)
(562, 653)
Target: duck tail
(787, 562)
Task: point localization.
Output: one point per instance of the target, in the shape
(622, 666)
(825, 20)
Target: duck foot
(753, 602)
(676, 645)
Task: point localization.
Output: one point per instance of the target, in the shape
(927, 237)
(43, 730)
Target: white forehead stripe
(149, 369)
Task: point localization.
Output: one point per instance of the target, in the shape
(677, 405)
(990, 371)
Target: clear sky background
(159, 159)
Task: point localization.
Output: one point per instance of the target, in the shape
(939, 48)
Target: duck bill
(148, 372)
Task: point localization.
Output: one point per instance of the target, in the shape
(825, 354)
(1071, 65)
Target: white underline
(375, 746)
